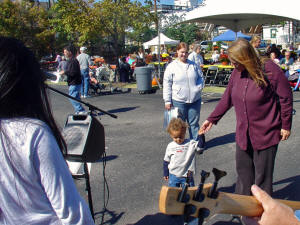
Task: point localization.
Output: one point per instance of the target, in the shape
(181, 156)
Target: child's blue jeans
(179, 181)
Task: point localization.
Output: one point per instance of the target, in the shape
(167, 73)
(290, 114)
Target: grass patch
(214, 89)
(59, 83)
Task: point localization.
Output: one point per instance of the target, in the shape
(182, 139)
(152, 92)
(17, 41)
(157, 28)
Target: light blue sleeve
(58, 183)
(297, 214)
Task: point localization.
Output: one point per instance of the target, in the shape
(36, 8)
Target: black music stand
(82, 158)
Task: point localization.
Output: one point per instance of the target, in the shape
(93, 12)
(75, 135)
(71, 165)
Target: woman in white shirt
(36, 186)
(183, 84)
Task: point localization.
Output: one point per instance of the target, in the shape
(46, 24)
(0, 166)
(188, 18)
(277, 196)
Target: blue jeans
(74, 91)
(85, 84)
(190, 112)
(179, 181)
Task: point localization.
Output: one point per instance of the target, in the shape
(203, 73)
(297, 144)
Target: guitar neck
(245, 205)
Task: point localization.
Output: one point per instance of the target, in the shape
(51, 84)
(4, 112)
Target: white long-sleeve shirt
(181, 157)
(36, 186)
(183, 82)
(197, 58)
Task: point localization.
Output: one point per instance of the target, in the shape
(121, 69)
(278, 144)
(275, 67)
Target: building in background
(282, 34)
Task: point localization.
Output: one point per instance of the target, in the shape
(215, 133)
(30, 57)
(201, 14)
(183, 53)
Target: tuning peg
(218, 175)
(183, 197)
(199, 196)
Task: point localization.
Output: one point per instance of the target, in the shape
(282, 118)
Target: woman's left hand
(285, 134)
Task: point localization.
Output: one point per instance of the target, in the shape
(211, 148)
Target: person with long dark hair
(36, 186)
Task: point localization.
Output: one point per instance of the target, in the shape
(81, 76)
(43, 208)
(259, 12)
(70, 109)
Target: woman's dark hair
(71, 48)
(22, 87)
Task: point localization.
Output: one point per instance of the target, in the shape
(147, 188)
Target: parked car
(205, 45)
(262, 47)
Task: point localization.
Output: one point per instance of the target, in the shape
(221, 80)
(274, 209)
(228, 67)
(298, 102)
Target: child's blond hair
(176, 124)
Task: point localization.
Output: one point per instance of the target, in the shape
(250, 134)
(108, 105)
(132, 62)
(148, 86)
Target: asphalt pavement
(136, 143)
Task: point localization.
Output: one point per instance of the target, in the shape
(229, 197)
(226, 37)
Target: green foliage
(102, 24)
(28, 23)
(119, 18)
(183, 32)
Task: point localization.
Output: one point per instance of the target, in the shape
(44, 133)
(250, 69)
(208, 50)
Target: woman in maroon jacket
(263, 102)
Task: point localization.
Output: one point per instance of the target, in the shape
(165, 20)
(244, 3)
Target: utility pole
(158, 35)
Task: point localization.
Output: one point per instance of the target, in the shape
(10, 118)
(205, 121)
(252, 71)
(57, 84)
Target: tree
(27, 22)
(75, 21)
(183, 32)
(119, 18)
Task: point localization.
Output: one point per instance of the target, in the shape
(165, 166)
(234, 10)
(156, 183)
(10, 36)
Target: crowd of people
(38, 185)
(263, 102)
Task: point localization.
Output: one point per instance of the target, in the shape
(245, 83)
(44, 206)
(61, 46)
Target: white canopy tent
(237, 15)
(164, 40)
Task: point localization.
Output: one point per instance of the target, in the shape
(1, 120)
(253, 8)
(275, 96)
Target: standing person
(255, 42)
(37, 187)
(141, 54)
(179, 160)
(195, 56)
(124, 70)
(62, 64)
(215, 56)
(84, 62)
(183, 84)
(72, 71)
(263, 103)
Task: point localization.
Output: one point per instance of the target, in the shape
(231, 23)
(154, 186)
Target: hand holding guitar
(274, 211)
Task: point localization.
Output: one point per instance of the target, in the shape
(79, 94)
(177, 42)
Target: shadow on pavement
(159, 219)
(113, 217)
(119, 110)
(290, 191)
(107, 158)
(221, 140)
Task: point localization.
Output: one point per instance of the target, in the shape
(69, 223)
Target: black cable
(105, 186)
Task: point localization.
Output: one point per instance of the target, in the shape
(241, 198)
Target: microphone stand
(86, 172)
(90, 106)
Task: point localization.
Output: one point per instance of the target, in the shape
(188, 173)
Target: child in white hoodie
(179, 160)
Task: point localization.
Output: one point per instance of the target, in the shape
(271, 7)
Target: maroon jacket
(260, 112)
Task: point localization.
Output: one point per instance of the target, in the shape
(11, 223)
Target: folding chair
(298, 82)
(211, 75)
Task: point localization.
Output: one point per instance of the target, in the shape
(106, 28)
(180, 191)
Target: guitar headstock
(225, 203)
(209, 202)
(169, 204)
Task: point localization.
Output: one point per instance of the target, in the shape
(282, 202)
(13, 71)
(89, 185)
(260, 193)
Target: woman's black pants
(254, 167)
